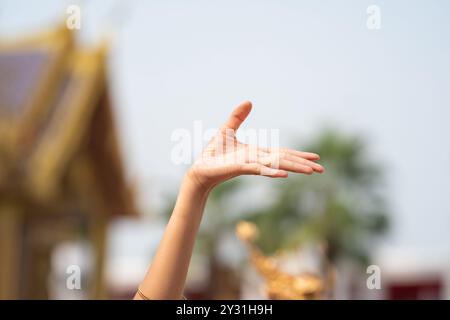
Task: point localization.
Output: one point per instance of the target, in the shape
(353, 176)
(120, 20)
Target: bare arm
(167, 274)
(224, 158)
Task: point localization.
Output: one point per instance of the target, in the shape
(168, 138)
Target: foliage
(342, 209)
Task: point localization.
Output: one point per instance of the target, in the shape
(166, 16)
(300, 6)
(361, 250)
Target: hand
(225, 157)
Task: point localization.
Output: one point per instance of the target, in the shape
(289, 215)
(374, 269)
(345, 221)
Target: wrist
(193, 183)
(191, 198)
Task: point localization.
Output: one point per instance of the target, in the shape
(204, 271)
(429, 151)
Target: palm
(225, 157)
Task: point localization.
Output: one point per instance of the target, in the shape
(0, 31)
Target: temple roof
(56, 119)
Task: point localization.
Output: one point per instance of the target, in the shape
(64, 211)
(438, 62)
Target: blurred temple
(61, 172)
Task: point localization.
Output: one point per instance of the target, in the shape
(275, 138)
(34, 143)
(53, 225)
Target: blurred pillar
(10, 248)
(97, 236)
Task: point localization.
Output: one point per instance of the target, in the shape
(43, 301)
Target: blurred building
(412, 273)
(61, 171)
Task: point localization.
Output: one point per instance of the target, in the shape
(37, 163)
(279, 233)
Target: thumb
(238, 116)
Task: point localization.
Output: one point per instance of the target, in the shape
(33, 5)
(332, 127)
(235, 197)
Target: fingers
(315, 166)
(278, 165)
(238, 116)
(259, 169)
(289, 161)
(301, 154)
(274, 161)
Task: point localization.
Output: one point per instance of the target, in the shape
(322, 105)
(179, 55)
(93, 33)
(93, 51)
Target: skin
(223, 158)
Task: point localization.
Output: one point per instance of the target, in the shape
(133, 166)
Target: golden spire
(278, 284)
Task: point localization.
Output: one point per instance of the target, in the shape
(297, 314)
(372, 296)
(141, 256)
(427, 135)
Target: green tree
(342, 209)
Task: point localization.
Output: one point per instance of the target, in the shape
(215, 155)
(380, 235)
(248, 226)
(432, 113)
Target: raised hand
(225, 157)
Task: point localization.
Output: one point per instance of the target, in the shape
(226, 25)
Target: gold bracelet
(144, 297)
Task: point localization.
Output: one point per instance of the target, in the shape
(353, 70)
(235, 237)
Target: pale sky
(303, 64)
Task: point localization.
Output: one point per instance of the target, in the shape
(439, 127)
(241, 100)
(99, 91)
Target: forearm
(166, 276)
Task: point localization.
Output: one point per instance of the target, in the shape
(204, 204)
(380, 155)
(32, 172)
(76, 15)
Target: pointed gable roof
(55, 109)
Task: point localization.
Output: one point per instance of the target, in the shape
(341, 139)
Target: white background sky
(303, 64)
